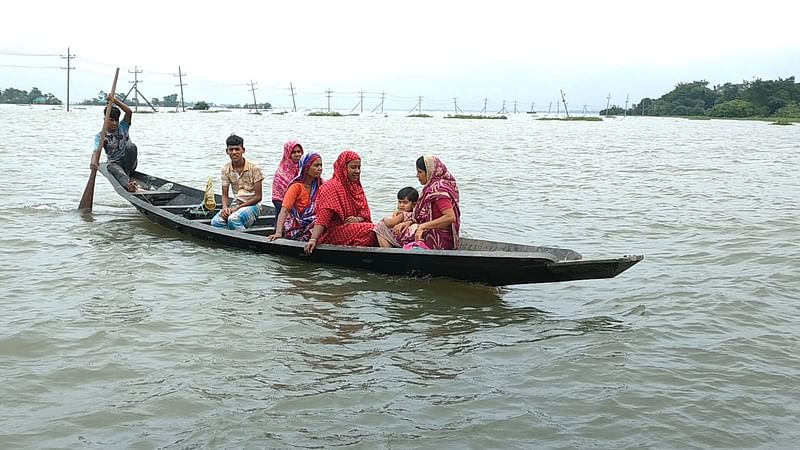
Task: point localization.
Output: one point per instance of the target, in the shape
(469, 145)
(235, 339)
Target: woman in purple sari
(437, 213)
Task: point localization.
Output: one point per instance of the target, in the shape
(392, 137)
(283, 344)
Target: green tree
(34, 94)
(768, 96)
(732, 108)
(791, 109)
(13, 95)
(200, 106)
(687, 99)
(171, 100)
(728, 92)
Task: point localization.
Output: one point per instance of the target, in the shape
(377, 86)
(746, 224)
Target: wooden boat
(479, 261)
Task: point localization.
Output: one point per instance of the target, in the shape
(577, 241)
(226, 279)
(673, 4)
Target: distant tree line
(758, 98)
(35, 96)
(168, 101)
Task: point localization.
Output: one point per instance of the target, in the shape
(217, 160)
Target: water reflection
(408, 324)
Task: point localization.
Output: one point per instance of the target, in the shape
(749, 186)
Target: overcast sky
(501, 50)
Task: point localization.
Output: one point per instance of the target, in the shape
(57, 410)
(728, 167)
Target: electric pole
(294, 105)
(69, 57)
(180, 76)
(328, 93)
(515, 106)
(563, 99)
(253, 90)
(503, 109)
(456, 109)
(627, 99)
(418, 107)
(135, 82)
(485, 101)
(608, 102)
(380, 105)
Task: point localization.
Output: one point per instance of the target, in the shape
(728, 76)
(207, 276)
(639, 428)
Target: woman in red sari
(343, 215)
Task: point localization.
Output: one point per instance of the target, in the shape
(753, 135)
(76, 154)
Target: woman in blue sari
(296, 218)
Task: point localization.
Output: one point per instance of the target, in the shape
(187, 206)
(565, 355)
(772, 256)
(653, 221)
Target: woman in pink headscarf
(286, 172)
(343, 215)
(437, 214)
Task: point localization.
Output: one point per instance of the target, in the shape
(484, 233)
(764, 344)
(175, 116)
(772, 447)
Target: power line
(10, 53)
(30, 67)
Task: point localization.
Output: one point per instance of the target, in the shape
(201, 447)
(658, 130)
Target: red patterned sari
(340, 198)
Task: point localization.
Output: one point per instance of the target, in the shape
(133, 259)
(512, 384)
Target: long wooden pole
(88, 193)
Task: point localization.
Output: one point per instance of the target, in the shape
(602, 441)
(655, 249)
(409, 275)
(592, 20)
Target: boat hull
(486, 262)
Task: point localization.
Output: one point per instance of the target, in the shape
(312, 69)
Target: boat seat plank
(257, 230)
(155, 197)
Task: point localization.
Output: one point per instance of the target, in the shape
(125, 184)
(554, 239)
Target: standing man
(245, 179)
(121, 153)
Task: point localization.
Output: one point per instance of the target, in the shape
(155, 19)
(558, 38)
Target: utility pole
(558, 108)
(418, 107)
(584, 109)
(294, 105)
(180, 76)
(360, 102)
(608, 102)
(627, 98)
(380, 105)
(532, 110)
(485, 101)
(515, 106)
(563, 99)
(135, 82)
(253, 90)
(69, 57)
(550, 107)
(456, 109)
(136, 91)
(328, 93)
(503, 109)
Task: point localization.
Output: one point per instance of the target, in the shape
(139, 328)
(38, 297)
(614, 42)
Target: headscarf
(441, 184)
(302, 169)
(298, 225)
(341, 195)
(287, 170)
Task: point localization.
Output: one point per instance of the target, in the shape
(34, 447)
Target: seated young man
(244, 178)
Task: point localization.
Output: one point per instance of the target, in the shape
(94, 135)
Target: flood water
(115, 333)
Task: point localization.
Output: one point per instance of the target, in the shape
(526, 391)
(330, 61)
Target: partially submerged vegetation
(783, 121)
(575, 118)
(473, 116)
(324, 114)
(420, 115)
